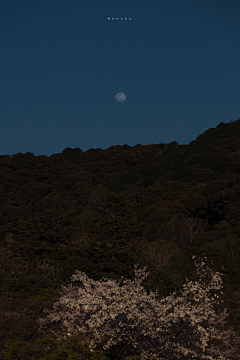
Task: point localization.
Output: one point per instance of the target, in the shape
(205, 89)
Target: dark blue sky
(62, 62)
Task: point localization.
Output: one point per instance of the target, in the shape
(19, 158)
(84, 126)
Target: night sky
(62, 62)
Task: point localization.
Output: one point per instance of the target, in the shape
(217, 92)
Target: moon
(120, 97)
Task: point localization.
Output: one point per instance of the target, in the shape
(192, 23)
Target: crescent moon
(120, 97)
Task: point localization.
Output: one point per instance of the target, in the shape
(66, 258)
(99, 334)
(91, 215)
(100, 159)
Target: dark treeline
(102, 211)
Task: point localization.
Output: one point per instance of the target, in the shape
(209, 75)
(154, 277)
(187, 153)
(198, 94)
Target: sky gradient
(62, 62)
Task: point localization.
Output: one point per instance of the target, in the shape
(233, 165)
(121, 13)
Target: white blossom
(182, 326)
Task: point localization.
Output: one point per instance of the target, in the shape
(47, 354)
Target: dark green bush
(48, 348)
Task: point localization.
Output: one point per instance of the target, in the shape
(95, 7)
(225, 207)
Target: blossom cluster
(124, 319)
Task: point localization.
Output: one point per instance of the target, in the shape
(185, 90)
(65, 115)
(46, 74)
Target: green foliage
(48, 348)
(98, 355)
(11, 272)
(46, 294)
(141, 358)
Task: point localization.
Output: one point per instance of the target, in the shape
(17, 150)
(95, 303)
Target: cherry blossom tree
(124, 320)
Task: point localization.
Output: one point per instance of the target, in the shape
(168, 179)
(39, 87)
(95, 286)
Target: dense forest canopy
(102, 211)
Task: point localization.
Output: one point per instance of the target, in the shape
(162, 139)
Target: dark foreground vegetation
(101, 212)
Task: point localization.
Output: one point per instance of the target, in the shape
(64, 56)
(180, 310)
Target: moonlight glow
(120, 97)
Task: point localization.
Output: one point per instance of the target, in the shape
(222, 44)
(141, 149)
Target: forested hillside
(102, 211)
